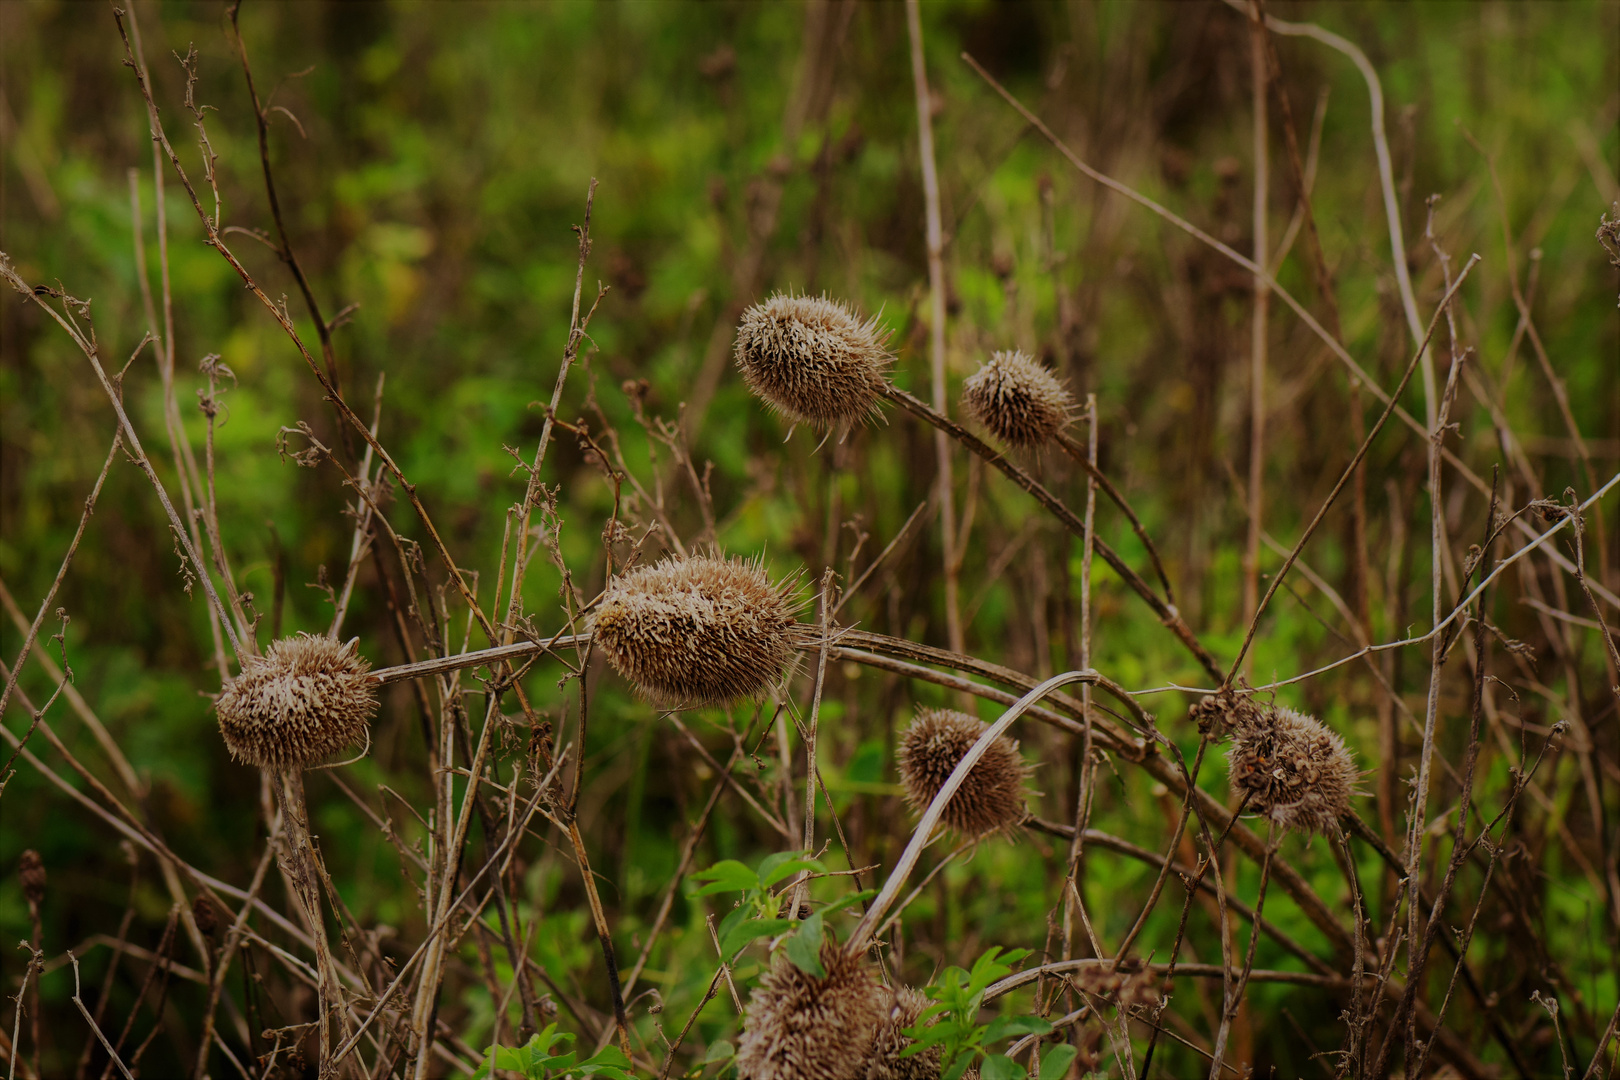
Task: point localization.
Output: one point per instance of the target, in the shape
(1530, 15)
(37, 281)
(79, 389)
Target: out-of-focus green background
(431, 159)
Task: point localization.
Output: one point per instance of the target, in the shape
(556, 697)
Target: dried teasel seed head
(31, 873)
(699, 630)
(204, 915)
(1293, 769)
(306, 698)
(991, 798)
(1017, 400)
(1124, 988)
(812, 359)
(800, 1027)
(884, 1062)
(1225, 711)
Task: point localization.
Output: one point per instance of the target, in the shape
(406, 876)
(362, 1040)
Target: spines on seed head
(1017, 400)
(801, 1027)
(1293, 769)
(884, 1062)
(991, 798)
(700, 630)
(812, 359)
(304, 699)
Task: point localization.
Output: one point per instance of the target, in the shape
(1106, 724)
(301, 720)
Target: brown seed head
(1225, 711)
(700, 630)
(991, 798)
(812, 359)
(1018, 400)
(1293, 769)
(884, 1062)
(306, 698)
(31, 872)
(799, 1027)
(202, 913)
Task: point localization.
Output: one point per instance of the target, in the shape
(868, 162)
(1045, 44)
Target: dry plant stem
(233, 938)
(1355, 463)
(811, 769)
(1085, 770)
(56, 583)
(91, 351)
(936, 308)
(32, 967)
(1333, 343)
(1168, 615)
(297, 855)
(111, 1053)
(531, 496)
(599, 918)
(1234, 1000)
(1257, 335)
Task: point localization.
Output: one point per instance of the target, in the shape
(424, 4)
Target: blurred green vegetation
(431, 161)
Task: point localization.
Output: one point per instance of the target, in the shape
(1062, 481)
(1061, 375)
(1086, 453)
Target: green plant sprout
(952, 1024)
(535, 1060)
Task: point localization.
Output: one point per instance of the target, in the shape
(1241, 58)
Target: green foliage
(534, 1060)
(754, 916)
(961, 1039)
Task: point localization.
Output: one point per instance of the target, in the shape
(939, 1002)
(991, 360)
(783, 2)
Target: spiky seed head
(31, 874)
(1293, 769)
(1124, 988)
(306, 698)
(991, 798)
(884, 1061)
(812, 359)
(1017, 400)
(800, 1027)
(699, 630)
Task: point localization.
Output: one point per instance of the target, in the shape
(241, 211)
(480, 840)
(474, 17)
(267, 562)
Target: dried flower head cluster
(1018, 400)
(699, 630)
(304, 699)
(800, 1027)
(812, 359)
(884, 1062)
(1125, 989)
(991, 798)
(1224, 711)
(1292, 769)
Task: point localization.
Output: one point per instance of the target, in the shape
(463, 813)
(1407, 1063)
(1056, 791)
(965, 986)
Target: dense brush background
(439, 156)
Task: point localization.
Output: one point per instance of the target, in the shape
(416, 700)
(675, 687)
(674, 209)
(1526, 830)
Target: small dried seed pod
(1224, 712)
(812, 359)
(202, 913)
(991, 798)
(698, 631)
(884, 1061)
(306, 698)
(31, 874)
(800, 1027)
(1293, 769)
(1017, 400)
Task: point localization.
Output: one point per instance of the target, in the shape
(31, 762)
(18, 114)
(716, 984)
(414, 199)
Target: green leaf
(804, 948)
(1015, 1025)
(781, 871)
(1055, 1062)
(957, 1067)
(749, 930)
(727, 875)
(1001, 1067)
(719, 1051)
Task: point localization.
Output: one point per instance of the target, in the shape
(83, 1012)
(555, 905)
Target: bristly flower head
(812, 359)
(1293, 769)
(1017, 400)
(991, 798)
(884, 1062)
(700, 630)
(304, 699)
(800, 1027)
